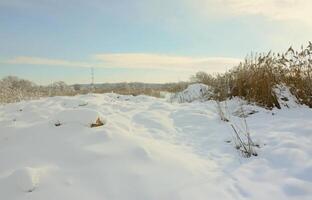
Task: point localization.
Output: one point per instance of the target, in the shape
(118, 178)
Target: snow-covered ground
(150, 149)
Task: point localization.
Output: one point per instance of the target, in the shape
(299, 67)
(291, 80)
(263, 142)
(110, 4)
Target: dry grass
(97, 123)
(155, 92)
(255, 78)
(131, 91)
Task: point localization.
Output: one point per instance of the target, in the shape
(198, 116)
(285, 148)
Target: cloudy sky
(142, 40)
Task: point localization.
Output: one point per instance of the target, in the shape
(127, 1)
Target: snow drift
(150, 149)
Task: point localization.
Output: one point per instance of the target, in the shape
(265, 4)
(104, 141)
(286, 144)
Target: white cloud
(157, 61)
(275, 9)
(138, 61)
(26, 60)
(286, 10)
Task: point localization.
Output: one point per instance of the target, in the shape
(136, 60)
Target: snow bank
(194, 92)
(285, 98)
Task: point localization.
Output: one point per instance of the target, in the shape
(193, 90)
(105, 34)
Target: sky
(152, 41)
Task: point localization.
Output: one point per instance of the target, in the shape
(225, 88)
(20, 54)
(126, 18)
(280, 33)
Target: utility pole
(92, 79)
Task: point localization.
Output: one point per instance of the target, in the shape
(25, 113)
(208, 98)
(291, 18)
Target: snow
(284, 96)
(194, 92)
(150, 148)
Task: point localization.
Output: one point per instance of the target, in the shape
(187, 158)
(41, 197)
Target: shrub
(14, 89)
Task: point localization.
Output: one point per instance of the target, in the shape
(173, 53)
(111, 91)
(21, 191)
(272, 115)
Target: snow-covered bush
(13, 89)
(60, 89)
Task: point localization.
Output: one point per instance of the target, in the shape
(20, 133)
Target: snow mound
(26, 179)
(285, 98)
(194, 92)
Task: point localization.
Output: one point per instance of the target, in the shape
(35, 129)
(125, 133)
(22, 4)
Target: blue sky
(150, 40)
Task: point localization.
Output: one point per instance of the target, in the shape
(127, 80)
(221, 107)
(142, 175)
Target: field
(152, 148)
